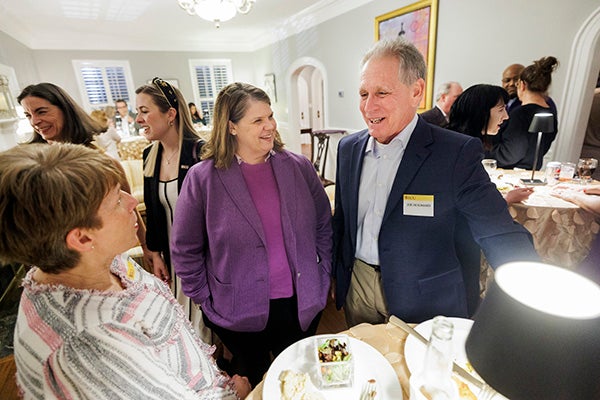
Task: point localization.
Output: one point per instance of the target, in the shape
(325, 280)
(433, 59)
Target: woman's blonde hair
(231, 105)
(183, 122)
(45, 192)
(101, 118)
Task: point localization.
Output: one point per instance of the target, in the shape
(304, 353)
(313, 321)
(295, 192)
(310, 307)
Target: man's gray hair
(444, 89)
(412, 63)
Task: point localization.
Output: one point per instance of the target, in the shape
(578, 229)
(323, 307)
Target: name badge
(419, 205)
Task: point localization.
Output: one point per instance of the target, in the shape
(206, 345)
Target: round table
(562, 231)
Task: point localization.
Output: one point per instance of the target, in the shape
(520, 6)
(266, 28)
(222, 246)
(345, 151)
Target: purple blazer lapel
(235, 186)
(287, 183)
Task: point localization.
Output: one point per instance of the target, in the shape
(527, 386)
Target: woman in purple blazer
(252, 234)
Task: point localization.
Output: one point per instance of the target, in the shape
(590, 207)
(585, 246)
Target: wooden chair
(320, 148)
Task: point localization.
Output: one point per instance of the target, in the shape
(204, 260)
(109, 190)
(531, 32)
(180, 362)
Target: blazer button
(298, 275)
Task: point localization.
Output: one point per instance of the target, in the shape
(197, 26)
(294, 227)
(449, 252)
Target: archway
(307, 98)
(582, 74)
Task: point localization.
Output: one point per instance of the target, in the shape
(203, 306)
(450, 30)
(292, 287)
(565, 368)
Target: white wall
(476, 39)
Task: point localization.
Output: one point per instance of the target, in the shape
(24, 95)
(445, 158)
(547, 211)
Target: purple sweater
(265, 196)
(219, 246)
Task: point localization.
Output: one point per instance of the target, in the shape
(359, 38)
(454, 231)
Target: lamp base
(533, 182)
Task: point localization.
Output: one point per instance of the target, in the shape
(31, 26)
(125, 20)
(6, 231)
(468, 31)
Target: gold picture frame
(417, 22)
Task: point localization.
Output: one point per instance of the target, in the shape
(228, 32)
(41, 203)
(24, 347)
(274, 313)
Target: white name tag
(420, 205)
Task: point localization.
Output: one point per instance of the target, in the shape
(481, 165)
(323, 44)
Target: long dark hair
(78, 128)
(470, 113)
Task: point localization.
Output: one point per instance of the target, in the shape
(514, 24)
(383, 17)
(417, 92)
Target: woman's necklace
(168, 159)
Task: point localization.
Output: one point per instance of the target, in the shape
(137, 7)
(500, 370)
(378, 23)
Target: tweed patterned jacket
(134, 344)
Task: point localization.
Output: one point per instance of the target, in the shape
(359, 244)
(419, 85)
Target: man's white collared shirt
(380, 165)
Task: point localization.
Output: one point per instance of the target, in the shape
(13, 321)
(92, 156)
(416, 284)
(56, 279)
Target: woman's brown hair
(231, 105)
(45, 192)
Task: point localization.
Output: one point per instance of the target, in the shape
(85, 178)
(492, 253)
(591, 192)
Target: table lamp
(541, 123)
(536, 334)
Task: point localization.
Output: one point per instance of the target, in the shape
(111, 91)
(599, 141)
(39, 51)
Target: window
(208, 78)
(102, 82)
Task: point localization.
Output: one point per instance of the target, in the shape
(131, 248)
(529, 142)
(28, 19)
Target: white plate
(414, 349)
(368, 364)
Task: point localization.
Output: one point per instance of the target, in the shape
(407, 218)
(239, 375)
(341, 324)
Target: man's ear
(79, 240)
(417, 92)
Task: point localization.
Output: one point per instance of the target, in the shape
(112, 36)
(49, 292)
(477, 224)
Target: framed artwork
(416, 23)
(271, 87)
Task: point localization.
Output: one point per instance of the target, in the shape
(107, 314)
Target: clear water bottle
(119, 123)
(435, 382)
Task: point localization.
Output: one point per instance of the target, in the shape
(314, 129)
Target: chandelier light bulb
(216, 11)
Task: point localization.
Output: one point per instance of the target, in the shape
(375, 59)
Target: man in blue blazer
(405, 193)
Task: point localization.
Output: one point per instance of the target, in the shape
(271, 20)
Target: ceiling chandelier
(216, 10)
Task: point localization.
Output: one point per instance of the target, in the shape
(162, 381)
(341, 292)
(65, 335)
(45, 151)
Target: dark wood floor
(332, 321)
(8, 385)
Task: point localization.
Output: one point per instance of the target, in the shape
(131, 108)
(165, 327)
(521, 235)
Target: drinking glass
(586, 168)
(567, 171)
(490, 165)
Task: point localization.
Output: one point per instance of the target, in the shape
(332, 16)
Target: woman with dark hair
(196, 117)
(252, 234)
(57, 118)
(479, 111)
(165, 121)
(516, 147)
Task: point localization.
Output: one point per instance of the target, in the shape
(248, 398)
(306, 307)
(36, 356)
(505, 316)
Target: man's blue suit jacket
(421, 272)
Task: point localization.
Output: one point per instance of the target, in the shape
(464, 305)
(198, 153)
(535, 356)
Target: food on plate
(464, 391)
(334, 361)
(294, 386)
(333, 350)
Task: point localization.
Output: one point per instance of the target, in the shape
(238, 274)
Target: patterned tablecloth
(562, 232)
(132, 147)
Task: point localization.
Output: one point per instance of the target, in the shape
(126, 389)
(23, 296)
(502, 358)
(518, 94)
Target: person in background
(402, 188)
(109, 139)
(516, 146)
(162, 114)
(125, 119)
(479, 112)
(57, 118)
(591, 143)
(251, 237)
(91, 322)
(444, 98)
(197, 116)
(510, 76)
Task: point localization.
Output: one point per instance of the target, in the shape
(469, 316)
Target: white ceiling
(159, 25)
